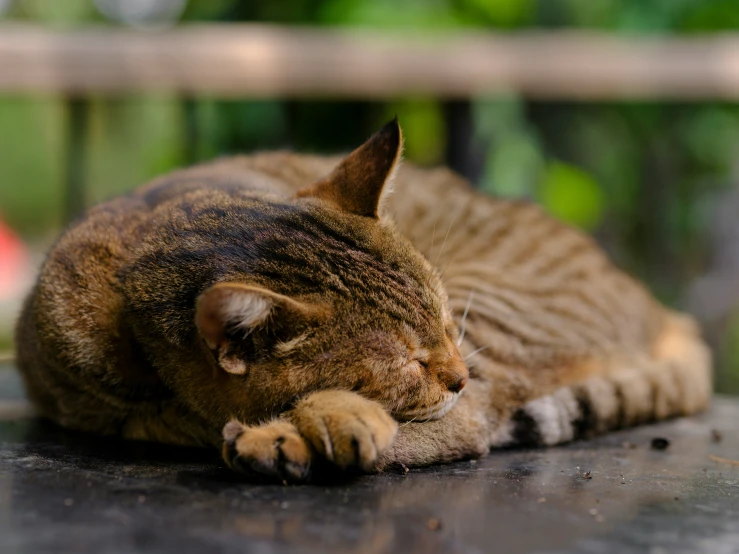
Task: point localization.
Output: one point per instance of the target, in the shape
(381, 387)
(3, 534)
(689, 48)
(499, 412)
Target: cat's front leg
(346, 429)
(339, 427)
(274, 450)
(465, 432)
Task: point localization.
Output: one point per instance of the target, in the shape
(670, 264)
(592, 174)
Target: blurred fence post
(192, 130)
(75, 189)
(461, 154)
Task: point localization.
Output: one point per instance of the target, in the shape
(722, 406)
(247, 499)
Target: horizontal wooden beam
(273, 61)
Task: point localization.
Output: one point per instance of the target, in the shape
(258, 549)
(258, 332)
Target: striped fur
(559, 344)
(633, 391)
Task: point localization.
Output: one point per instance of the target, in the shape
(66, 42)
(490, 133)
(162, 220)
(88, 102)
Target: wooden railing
(271, 61)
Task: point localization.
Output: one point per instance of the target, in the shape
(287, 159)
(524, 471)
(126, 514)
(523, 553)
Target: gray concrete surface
(67, 492)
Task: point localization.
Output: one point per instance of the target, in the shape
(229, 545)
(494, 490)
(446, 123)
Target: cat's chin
(435, 412)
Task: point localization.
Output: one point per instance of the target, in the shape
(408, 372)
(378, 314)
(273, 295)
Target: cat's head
(339, 300)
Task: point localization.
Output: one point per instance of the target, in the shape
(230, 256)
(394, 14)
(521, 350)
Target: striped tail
(676, 380)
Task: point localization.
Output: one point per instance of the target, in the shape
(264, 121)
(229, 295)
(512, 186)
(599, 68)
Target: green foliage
(583, 13)
(422, 14)
(130, 141)
(513, 167)
(31, 164)
(59, 12)
(572, 195)
(514, 159)
(206, 10)
(423, 129)
(710, 136)
(715, 15)
(234, 127)
(500, 13)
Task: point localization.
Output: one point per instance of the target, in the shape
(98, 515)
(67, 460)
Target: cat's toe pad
(345, 428)
(274, 450)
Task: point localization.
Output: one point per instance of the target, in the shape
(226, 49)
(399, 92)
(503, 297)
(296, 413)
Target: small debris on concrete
(583, 474)
(404, 469)
(68, 502)
(142, 499)
(433, 524)
(626, 445)
(541, 500)
(716, 436)
(660, 443)
(720, 460)
(598, 517)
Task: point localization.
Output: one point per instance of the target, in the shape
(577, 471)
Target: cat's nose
(458, 385)
(454, 373)
(454, 378)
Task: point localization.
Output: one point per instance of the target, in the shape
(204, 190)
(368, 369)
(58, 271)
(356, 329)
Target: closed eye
(422, 356)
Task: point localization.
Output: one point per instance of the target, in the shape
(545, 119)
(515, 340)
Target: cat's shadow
(43, 439)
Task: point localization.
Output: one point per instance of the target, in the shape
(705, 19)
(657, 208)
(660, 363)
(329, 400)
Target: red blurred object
(14, 263)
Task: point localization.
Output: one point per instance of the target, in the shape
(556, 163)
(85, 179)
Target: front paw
(274, 450)
(345, 428)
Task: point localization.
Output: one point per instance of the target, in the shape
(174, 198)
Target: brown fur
(286, 305)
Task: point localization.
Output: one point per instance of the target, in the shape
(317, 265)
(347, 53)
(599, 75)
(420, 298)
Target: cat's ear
(234, 309)
(356, 185)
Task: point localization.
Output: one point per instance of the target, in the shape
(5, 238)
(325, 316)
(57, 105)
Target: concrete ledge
(67, 492)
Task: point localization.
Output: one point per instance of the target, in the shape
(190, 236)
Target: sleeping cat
(293, 312)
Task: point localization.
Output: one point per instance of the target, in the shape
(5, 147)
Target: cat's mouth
(427, 414)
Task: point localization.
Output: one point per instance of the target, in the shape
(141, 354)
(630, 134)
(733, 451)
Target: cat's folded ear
(227, 311)
(357, 184)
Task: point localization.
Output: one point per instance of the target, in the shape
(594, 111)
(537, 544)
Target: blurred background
(652, 173)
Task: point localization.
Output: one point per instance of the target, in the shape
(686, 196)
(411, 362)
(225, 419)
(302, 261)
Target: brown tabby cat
(281, 309)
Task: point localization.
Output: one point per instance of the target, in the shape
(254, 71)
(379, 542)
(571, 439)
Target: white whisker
(468, 356)
(431, 413)
(443, 244)
(433, 236)
(464, 318)
(442, 271)
(407, 422)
